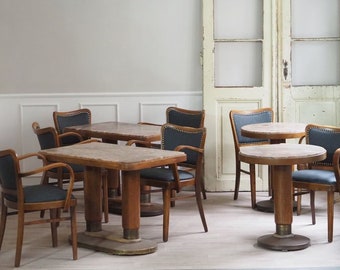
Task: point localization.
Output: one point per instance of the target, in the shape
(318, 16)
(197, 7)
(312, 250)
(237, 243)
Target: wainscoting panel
(19, 111)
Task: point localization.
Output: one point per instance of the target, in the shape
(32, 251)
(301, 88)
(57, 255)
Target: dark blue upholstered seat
(323, 175)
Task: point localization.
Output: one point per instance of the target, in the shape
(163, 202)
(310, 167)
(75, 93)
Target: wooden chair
(70, 118)
(323, 175)
(15, 195)
(191, 141)
(239, 118)
(49, 138)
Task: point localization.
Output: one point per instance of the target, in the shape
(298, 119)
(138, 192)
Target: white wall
(126, 60)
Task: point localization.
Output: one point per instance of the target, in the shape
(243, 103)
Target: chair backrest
(240, 118)
(184, 117)
(327, 137)
(9, 179)
(174, 135)
(47, 137)
(71, 118)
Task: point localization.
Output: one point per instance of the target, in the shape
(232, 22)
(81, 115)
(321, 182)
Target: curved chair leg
(200, 206)
(3, 222)
(237, 179)
(20, 237)
(74, 232)
(252, 185)
(330, 214)
(166, 213)
(312, 205)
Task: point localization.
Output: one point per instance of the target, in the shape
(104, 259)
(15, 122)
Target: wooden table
(281, 157)
(275, 132)
(112, 132)
(130, 160)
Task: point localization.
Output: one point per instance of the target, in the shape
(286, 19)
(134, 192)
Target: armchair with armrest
(176, 177)
(15, 195)
(49, 138)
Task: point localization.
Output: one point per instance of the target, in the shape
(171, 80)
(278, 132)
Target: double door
(283, 54)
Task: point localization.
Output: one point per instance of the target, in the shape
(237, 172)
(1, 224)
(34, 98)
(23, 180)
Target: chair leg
(54, 215)
(3, 222)
(204, 194)
(330, 214)
(166, 213)
(312, 205)
(20, 237)
(200, 206)
(74, 237)
(252, 185)
(237, 179)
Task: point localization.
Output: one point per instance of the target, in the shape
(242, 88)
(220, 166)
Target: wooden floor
(229, 244)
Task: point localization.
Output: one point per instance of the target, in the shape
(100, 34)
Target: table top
(118, 131)
(274, 130)
(113, 156)
(282, 154)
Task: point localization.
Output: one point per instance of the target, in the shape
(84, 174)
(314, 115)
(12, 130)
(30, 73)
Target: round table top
(274, 130)
(282, 154)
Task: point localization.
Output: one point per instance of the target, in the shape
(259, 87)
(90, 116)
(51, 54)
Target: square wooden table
(128, 159)
(112, 132)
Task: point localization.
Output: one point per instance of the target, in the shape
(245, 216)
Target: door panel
(237, 57)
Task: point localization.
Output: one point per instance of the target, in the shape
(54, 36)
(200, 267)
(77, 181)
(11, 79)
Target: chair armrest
(89, 141)
(188, 147)
(47, 168)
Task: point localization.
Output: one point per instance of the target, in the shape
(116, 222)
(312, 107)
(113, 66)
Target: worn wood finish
(275, 132)
(281, 157)
(118, 157)
(118, 131)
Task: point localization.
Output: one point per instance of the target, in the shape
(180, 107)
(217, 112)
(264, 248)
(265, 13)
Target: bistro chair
(49, 138)
(71, 118)
(15, 195)
(238, 119)
(184, 117)
(176, 177)
(323, 175)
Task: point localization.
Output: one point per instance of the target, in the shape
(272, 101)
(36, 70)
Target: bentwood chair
(15, 195)
(71, 118)
(176, 177)
(322, 175)
(238, 119)
(49, 138)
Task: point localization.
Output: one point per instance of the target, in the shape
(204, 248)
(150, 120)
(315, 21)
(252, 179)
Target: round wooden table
(275, 132)
(281, 157)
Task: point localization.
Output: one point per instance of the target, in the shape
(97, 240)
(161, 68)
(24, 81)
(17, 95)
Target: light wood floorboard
(229, 244)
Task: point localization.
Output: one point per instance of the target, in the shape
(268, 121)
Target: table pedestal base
(283, 243)
(114, 244)
(268, 206)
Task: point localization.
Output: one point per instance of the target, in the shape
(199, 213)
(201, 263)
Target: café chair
(176, 177)
(71, 118)
(238, 119)
(184, 117)
(322, 175)
(23, 199)
(49, 138)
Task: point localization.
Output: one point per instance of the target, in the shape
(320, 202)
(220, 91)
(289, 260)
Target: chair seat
(41, 193)
(164, 174)
(314, 176)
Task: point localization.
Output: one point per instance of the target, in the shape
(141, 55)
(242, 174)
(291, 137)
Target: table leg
(106, 240)
(283, 239)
